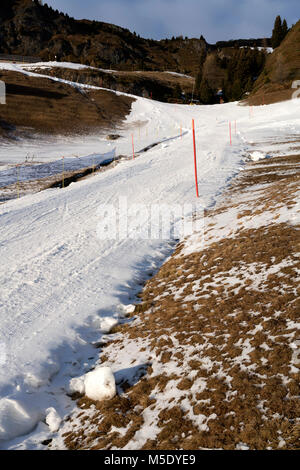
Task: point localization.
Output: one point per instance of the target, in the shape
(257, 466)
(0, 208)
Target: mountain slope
(281, 69)
(41, 105)
(28, 28)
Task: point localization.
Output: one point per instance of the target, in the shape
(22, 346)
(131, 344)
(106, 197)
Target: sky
(216, 20)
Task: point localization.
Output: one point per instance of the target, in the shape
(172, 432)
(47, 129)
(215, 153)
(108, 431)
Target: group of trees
(241, 68)
(279, 32)
(203, 91)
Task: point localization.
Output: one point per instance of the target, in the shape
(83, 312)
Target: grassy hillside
(162, 86)
(281, 69)
(42, 105)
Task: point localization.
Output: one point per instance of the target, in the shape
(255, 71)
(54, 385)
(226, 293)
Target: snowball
(100, 384)
(105, 324)
(256, 156)
(76, 385)
(53, 419)
(129, 308)
(126, 310)
(16, 418)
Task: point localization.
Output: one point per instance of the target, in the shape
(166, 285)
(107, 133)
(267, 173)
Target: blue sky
(215, 19)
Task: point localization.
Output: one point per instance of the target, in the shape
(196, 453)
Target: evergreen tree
(284, 29)
(277, 32)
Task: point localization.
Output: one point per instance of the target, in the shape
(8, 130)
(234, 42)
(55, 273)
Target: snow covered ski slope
(63, 287)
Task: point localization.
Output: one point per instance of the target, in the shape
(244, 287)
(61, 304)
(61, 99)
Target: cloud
(215, 19)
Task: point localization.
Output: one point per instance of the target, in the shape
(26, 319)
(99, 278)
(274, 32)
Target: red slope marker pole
(132, 147)
(235, 127)
(195, 159)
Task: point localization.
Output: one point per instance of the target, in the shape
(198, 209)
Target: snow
(30, 171)
(105, 324)
(256, 156)
(176, 74)
(62, 287)
(77, 385)
(63, 65)
(100, 384)
(53, 64)
(268, 50)
(53, 419)
(128, 309)
(16, 418)
(23, 69)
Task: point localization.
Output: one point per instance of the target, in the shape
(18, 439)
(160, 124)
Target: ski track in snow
(58, 279)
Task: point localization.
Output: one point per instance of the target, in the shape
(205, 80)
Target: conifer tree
(277, 33)
(284, 29)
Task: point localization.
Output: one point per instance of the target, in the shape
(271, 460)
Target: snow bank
(16, 419)
(98, 385)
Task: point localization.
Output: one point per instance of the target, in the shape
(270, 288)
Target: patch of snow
(256, 156)
(53, 420)
(77, 385)
(105, 324)
(127, 309)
